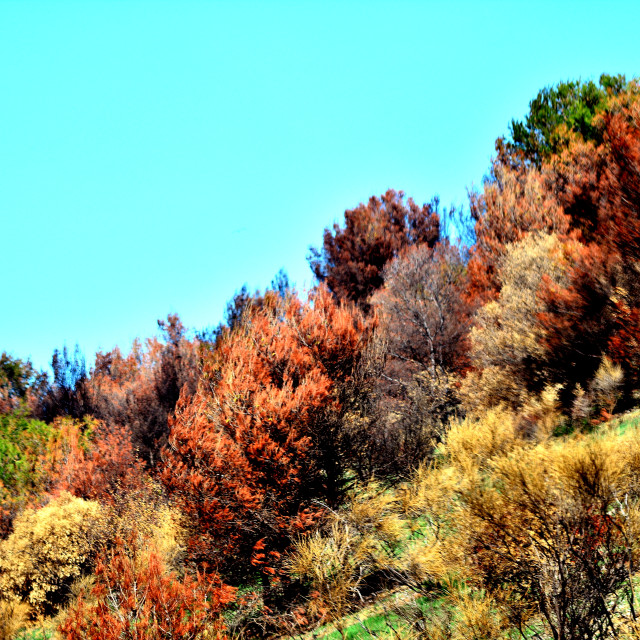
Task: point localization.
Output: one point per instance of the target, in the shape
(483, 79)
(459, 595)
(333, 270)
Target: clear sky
(156, 155)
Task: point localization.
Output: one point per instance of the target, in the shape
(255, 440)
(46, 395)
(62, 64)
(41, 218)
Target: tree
(422, 308)
(507, 340)
(136, 391)
(240, 304)
(424, 321)
(260, 440)
(91, 461)
(619, 215)
(598, 311)
(140, 390)
(550, 176)
(352, 258)
(588, 193)
(19, 383)
(557, 111)
(514, 202)
(67, 396)
(576, 318)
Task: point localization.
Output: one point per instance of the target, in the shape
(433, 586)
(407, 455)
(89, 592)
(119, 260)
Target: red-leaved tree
(598, 312)
(352, 258)
(260, 441)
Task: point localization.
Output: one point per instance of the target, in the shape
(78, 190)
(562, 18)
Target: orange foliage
(136, 598)
(139, 390)
(599, 311)
(589, 195)
(260, 439)
(515, 201)
(620, 213)
(97, 468)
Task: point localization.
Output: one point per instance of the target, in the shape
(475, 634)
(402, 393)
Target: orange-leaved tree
(140, 389)
(91, 462)
(260, 442)
(514, 202)
(135, 390)
(135, 597)
(598, 312)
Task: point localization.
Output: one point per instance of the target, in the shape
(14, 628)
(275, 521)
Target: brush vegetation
(439, 441)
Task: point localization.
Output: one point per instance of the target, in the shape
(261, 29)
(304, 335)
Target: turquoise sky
(155, 156)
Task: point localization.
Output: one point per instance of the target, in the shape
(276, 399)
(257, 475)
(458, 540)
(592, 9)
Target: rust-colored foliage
(620, 215)
(260, 438)
(352, 258)
(139, 390)
(599, 186)
(589, 196)
(583, 189)
(578, 345)
(515, 201)
(135, 598)
(599, 311)
(96, 467)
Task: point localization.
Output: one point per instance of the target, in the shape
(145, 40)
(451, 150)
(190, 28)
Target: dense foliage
(431, 427)
(352, 259)
(261, 438)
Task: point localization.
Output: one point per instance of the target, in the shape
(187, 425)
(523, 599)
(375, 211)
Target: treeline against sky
(391, 429)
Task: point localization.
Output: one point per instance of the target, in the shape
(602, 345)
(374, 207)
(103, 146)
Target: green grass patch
(627, 421)
(381, 619)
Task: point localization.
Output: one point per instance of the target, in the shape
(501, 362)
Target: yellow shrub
(554, 527)
(472, 442)
(606, 386)
(352, 545)
(477, 616)
(147, 515)
(48, 549)
(13, 616)
(490, 387)
(540, 415)
(395, 533)
(506, 341)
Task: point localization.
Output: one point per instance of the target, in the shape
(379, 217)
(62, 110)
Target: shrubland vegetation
(426, 446)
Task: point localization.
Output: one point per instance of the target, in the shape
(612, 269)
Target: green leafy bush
(23, 442)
